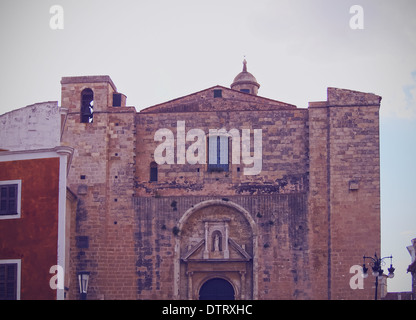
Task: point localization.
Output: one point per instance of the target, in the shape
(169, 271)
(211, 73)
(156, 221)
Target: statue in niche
(217, 245)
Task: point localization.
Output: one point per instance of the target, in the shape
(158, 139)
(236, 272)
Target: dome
(245, 81)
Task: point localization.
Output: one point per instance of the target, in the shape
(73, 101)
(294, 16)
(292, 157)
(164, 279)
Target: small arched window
(153, 172)
(87, 105)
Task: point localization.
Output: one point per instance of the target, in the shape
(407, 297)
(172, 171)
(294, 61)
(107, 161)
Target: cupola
(245, 81)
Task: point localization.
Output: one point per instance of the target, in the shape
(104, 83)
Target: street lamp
(376, 264)
(83, 278)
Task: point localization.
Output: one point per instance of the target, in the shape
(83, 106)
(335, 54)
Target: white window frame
(19, 199)
(18, 262)
(220, 152)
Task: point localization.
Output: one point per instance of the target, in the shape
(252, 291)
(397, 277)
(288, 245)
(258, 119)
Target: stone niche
(216, 239)
(216, 242)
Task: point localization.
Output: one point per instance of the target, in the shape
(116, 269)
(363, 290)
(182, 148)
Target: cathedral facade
(220, 194)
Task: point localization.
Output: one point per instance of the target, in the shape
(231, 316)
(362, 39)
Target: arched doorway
(217, 289)
(217, 239)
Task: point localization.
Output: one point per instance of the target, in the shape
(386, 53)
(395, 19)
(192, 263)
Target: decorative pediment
(193, 249)
(218, 98)
(236, 253)
(239, 249)
(216, 245)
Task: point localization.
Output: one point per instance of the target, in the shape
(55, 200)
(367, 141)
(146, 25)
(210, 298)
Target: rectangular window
(82, 242)
(9, 279)
(217, 93)
(218, 154)
(10, 199)
(116, 100)
(153, 172)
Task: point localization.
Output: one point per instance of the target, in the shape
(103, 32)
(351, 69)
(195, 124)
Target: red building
(32, 223)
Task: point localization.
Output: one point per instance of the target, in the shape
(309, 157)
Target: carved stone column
(243, 285)
(190, 290)
(206, 251)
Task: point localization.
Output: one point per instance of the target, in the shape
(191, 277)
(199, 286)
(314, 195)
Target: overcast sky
(157, 50)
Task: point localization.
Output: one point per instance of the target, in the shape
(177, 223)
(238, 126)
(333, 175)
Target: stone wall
(102, 177)
(312, 212)
(284, 148)
(280, 258)
(344, 198)
(33, 127)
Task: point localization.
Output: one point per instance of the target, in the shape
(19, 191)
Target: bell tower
(96, 122)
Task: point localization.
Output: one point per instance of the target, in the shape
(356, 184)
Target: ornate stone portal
(216, 241)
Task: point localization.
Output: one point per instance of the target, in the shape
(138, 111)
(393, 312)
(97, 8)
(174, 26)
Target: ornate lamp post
(376, 263)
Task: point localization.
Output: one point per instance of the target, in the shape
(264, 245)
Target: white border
(61, 261)
(19, 199)
(19, 272)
